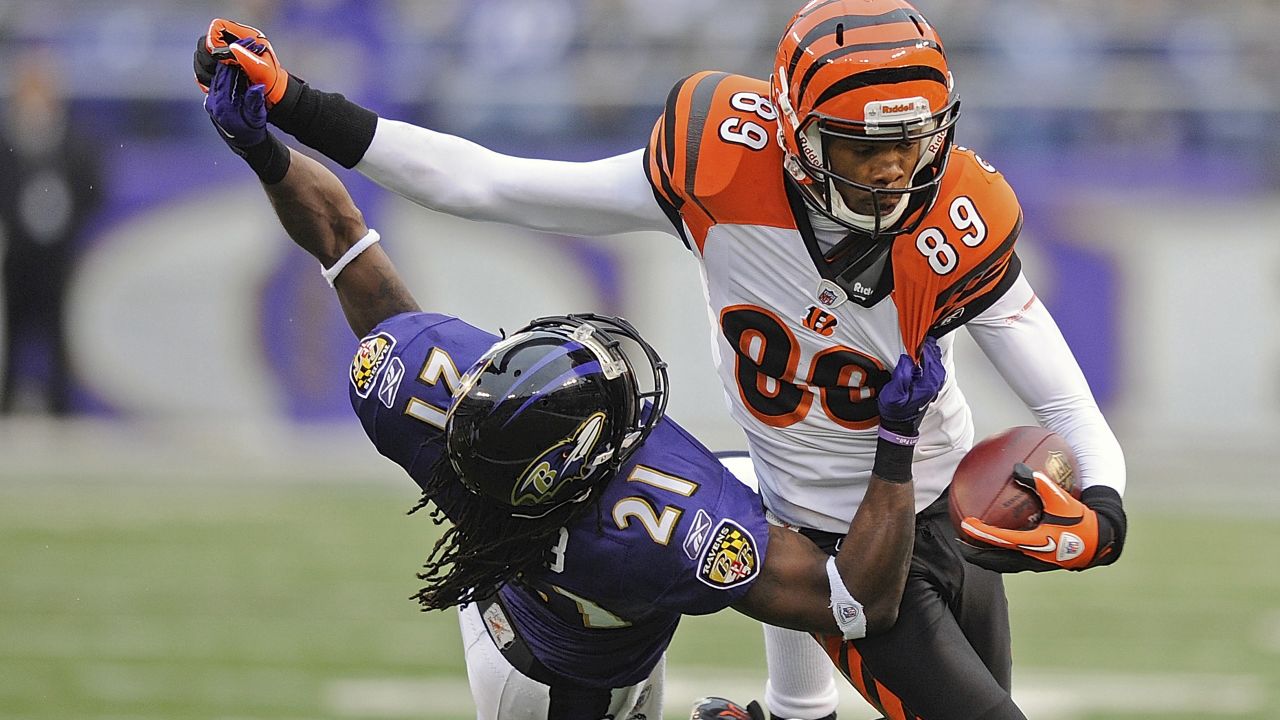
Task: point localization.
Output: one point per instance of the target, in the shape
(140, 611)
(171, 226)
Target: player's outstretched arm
(857, 593)
(312, 205)
(436, 170)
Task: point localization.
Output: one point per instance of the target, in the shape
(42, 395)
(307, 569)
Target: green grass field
(124, 600)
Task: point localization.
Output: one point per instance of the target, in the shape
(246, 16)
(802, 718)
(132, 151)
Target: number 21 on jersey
(658, 524)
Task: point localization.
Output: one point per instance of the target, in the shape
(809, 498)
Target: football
(983, 484)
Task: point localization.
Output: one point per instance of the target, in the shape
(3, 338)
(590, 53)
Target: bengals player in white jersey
(837, 226)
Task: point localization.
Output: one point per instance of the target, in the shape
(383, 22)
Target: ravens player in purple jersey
(583, 523)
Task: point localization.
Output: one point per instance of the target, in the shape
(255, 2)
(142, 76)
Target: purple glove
(239, 112)
(911, 387)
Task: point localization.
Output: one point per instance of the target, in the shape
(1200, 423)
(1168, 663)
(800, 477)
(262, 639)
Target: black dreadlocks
(485, 548)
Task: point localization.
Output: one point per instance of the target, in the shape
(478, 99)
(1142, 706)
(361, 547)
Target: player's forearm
(315, 210)
(1026, 347)
(459, 177)
(318, 213)
(876, 553)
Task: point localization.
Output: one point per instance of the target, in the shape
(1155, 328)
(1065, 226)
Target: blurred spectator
(48, 187)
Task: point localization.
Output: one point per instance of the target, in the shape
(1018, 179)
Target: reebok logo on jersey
(951, 317)
(391, 382)
(820, 321)
(373, 353)
(699, 530)
(731, 558)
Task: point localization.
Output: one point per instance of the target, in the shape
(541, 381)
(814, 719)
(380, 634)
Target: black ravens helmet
(549, 412)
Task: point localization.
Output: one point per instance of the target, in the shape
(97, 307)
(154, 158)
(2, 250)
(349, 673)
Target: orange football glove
(233, 43)
(1066, 537)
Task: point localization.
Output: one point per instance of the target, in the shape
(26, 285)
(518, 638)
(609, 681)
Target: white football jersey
(802, 358)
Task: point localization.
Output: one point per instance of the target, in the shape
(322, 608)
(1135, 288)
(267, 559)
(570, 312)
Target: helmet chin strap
(841, 211)
(866, 223)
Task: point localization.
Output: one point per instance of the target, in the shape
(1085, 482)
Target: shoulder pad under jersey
(402, 379)
(713, 156)
(961, 259)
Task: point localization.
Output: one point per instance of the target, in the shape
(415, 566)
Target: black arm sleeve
(327, 122)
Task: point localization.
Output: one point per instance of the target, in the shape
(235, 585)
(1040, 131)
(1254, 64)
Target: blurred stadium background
(207, 534)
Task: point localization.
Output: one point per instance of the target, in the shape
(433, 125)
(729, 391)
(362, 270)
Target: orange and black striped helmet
(870, 70)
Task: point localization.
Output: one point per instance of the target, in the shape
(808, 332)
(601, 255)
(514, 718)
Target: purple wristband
(896, 439)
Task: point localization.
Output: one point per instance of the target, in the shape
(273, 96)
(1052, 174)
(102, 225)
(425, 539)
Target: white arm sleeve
(1020, 338)
(459, 177)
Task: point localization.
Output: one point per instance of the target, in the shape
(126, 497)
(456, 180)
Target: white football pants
(501, 692)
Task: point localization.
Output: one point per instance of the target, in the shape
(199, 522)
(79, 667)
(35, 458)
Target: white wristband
(331, 274)
(850, 617)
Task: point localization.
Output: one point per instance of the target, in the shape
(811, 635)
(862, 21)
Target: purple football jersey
(674, 532)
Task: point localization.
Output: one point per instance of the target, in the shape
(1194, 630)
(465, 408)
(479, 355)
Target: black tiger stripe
(664, 168)
(843, 664)
(670, 208)
(699, 108)
(866, 47)
(850, 22)
(873, 692)
(881, 76)
(806, 13)
(998, 256)
(669, 125)
(978, 304)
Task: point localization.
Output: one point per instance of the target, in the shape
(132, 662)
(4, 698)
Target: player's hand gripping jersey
(680, 536)
(802, 356)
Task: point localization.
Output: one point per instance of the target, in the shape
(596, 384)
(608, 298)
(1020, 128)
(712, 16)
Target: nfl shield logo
(830, 294)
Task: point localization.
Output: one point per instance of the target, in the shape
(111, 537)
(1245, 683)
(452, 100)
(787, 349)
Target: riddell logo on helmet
(809, 153)
(902, 110)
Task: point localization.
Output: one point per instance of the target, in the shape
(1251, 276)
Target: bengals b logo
(820, 321)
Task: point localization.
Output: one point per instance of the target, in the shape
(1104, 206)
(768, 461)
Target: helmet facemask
(819, 183)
